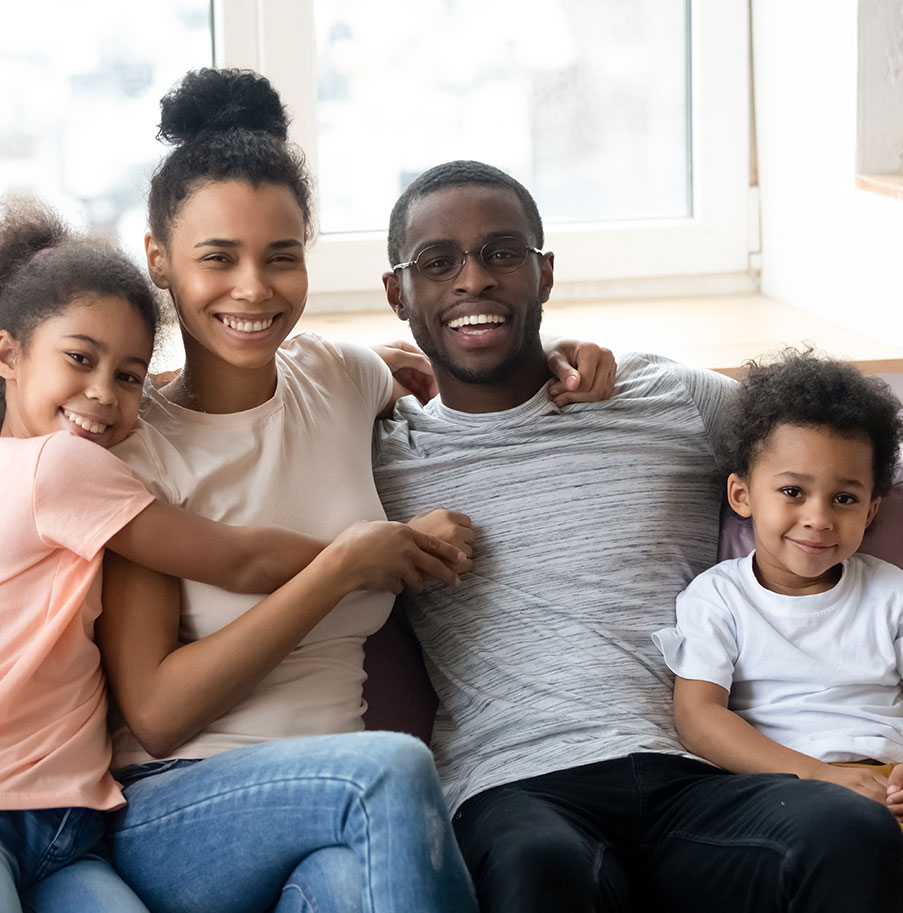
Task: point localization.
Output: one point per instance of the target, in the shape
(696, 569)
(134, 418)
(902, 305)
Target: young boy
(790, 659)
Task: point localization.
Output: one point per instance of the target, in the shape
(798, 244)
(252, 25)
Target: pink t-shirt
(63, 498)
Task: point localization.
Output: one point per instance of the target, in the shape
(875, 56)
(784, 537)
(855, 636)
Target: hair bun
(211, 101)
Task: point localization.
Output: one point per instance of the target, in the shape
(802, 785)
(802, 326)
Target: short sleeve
(713, 394)
(898, 635)
(83, 495)
(369, 373)
(703, 644)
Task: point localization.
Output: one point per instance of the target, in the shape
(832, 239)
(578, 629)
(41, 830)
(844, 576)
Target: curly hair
(225, 125)
(806, 389)
(45, 266)
(460, 173)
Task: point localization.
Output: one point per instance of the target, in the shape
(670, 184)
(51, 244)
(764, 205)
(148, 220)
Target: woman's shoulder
(307, 347)
(337, 366)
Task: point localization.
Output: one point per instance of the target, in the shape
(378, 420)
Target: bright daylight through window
(585, 102)
(77, 116)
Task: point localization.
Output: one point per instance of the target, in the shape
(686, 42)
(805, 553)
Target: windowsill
(889, 185)
(707, 331)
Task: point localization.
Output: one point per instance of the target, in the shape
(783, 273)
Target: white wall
(826, 246)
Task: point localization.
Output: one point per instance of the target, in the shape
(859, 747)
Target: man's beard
(492, 374)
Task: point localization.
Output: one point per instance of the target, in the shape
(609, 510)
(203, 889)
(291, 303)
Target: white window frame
(277, 38)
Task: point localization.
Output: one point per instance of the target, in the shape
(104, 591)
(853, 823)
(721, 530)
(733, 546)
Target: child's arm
(243, 559)
(895, 791)
(449, 526)
(709, 729)
(168, 691)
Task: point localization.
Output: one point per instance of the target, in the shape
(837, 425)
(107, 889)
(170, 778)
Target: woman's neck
(207, 384)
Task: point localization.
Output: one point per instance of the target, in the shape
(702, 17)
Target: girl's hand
(380, 555)
(410, 367)
(585, 372)
(449, 526)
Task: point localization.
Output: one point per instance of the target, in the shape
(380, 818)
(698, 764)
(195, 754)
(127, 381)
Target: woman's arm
(709, 729)
(243, 559)
(169, 692)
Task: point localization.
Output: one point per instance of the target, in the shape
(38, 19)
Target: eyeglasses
(441, 262)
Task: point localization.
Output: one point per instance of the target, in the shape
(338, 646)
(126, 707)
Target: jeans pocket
(78, 832)
(132, 773)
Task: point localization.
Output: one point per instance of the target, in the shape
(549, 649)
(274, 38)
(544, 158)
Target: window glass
(585, 101)
(78, 114)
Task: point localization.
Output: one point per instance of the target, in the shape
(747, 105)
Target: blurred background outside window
(82, 83)
(583, 101)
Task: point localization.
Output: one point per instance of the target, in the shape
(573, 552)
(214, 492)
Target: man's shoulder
(654, 367)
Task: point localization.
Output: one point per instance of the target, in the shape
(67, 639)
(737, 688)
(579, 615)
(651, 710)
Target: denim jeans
(663, 832)
(337, 823)
(50, 863)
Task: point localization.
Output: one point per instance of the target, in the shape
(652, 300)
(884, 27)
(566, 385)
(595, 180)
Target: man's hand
(585, 372)
(410, 367)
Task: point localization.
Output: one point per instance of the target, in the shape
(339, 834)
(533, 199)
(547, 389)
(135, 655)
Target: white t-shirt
(300, 460)
(820, 674)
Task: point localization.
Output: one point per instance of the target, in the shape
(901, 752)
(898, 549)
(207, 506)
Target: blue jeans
(662, 832)
(50, 862)
(324, 824)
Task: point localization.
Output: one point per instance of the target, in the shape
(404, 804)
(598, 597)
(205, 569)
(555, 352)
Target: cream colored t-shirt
(300, 460)
(63, 498)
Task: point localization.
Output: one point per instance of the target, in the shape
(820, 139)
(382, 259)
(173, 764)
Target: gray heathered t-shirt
(589, 521)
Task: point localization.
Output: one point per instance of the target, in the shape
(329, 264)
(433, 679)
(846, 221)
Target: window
(585, 102)
(353, 92)
(77, 129)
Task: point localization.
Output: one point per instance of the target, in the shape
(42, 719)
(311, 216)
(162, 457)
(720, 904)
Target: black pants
(672, 835)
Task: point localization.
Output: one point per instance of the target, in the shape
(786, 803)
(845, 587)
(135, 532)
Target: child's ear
(873, 509)
(738, 495)
(9, 354)
(156, 261)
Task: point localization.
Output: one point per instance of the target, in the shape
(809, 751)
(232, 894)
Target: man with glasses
(554, 737)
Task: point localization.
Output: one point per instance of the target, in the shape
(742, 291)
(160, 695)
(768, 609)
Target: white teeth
(474, 319)
(247, 326)
(84, 423)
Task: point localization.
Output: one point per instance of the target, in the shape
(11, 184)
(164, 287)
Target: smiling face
(479, 328)
(809, 494)
(80, 371)
(234, 265)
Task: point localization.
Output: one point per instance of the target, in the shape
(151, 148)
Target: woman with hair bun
(250, 786)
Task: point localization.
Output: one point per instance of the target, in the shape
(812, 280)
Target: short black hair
(45, 266)
(807, 389)
(459, 173)
(225, 125)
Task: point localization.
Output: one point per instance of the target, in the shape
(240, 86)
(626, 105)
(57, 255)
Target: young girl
(77, 325)
(790, 660)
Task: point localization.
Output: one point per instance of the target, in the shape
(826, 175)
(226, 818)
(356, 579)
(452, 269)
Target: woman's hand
(585, 372)
(410, 368)
(380, 555)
